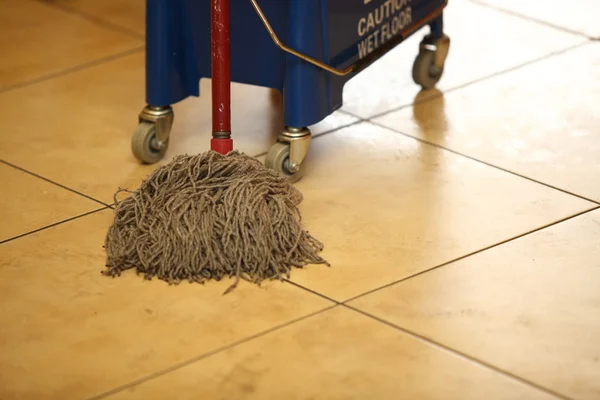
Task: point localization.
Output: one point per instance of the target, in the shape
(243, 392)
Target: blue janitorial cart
(307, 49)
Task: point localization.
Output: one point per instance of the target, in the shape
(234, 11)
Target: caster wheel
(144, 145)
(278, 159)
(425, 73)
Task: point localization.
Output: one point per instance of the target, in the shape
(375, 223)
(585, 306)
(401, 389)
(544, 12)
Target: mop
(218, 214)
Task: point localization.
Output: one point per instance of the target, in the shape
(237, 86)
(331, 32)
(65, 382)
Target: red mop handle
(221, 77)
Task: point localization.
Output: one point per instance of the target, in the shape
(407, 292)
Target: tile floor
(463, 223)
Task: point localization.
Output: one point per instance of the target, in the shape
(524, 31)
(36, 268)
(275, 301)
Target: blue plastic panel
(338, 32)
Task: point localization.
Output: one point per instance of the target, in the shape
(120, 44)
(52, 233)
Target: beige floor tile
(535, 121)
(575, 15)
(128, 14)
(68, 332)
(28, 203)
(477, 50)
(38, 39)
(83, 139)
(531, 306)
(387, 207)
(338, 354)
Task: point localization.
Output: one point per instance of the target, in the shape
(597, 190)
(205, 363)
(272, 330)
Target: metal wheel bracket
(162, 118)
(299, 140)
(440, 47)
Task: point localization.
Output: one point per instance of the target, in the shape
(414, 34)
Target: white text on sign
(396, 13)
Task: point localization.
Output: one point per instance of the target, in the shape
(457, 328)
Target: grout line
(490, 76)
(95, 20)
(311, 291)
(55, 183)
(70, 70)
(531, 19)
(473, 253)
(427, 142)
(327, 132)
(193, 360)
(410, 333)
(54, 224)
(464, 85)
(341, 110)
(465, 356)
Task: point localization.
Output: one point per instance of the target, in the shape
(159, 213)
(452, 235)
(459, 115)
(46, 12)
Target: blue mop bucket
(307, 49)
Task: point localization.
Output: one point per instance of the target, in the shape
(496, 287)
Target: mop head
(211, 216)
